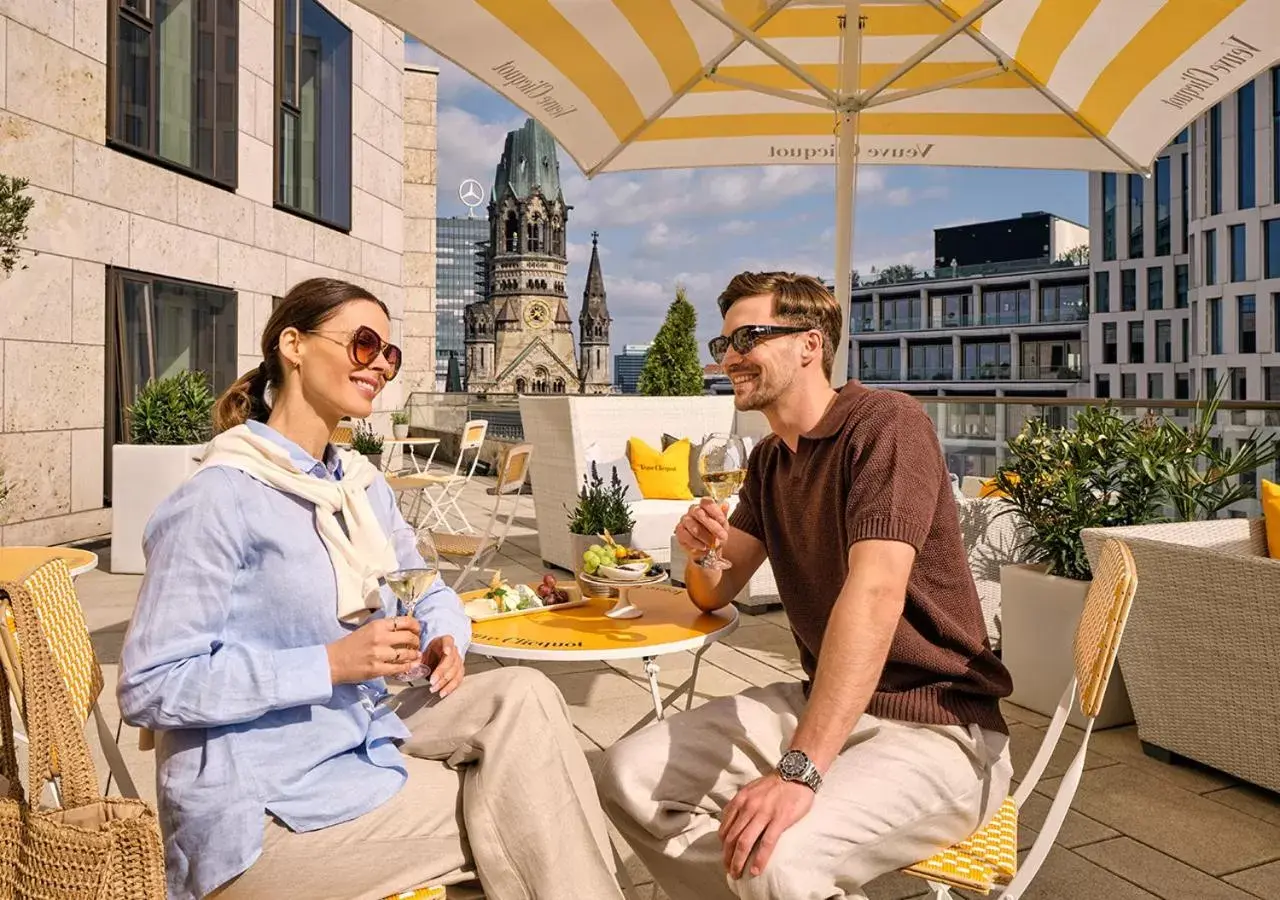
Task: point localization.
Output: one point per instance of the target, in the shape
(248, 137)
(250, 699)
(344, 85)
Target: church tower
(593, 326)
(528, 333)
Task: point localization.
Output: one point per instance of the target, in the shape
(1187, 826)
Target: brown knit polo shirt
(873, 469)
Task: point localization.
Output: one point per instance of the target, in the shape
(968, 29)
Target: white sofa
(563, 429)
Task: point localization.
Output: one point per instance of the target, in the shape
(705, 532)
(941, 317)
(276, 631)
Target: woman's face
(331, 380)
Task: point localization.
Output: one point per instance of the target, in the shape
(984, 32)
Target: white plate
(596, 581)
(621, 573)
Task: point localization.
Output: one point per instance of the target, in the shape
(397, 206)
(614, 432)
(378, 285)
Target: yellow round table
(16, 562)
(669, 623)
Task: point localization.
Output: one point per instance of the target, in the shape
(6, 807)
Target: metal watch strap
(795, 765)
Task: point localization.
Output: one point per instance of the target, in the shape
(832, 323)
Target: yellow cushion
(662, 475)
(1271, 515)
(991, 489)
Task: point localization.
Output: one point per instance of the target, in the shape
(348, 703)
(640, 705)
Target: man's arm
(713, 588)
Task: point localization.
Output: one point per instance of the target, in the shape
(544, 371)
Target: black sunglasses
(745, 338)
(364, 345)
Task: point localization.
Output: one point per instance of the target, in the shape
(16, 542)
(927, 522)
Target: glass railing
(991, 372)
(879, 375)
(1050, 373)
(930, 373)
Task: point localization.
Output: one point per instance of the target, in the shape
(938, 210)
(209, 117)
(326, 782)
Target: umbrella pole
(846, 181)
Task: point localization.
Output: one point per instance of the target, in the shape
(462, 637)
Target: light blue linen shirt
(225, 660)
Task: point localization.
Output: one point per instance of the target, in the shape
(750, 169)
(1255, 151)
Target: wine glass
(722, 465)
(409, 584)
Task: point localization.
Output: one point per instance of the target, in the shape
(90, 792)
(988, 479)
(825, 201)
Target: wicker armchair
(1201, 658)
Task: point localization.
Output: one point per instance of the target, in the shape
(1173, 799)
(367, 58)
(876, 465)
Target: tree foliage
(14, 208)
(672, 367)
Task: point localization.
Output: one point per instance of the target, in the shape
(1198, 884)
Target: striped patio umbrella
(1045, 84)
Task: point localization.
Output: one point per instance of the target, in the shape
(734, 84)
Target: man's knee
(626, 777)
(788, 876)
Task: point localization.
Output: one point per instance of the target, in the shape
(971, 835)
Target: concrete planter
(142, 476)
(400, 431)
(1039, 615)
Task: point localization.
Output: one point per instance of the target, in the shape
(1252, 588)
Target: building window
(1129, 290)
(1275, 323)
(1063, 303)
(1239, 384)
(1215, 325)
(1155, 287)
(1186, 341)
(879, 363)
(1181, 386)
(1050, 360)
(173, 83)
(1211, 256)
(1137, 346)
(1006, 306)
(313, 124)
(1109, 343)
(1108, 215)
(987, 361)
(860, 316)
(900, 313)
(1155, 386)
(1237, 235)
(1246, 323)
(158, 327)
(1135, 216)
(955, 310)
(1275, 136)
(971, 420)
(1164, 233)
(1128, 386)
(1102, 386)
(1180, 286)
(1246, 164)
(929, 362)
(1271, 246)
(1102, 292)
(1215, 160)
(1164, 341)
(1185, 189)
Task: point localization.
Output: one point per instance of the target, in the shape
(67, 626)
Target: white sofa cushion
(656, 522)
(605, 460)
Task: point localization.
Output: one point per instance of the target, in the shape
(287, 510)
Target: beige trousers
(896, 794)
(497, 783)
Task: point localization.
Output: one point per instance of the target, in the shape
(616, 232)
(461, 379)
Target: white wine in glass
(722, 465)
(411, 583)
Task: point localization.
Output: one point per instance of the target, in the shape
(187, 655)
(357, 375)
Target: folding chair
(989, 858)
(441, 492)
(342, 436)
(471, 552)
(54, 595)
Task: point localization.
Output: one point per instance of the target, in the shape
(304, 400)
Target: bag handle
(50, 715)
(8, 747)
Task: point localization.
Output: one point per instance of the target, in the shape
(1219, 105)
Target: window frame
(145, 18)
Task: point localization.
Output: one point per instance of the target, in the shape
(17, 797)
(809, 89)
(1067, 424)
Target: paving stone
(1024, 744)
(1014, 713)
(1261, 881)
(1160, 874)
(1077, 829)
(1122, 745)
(1212, 837)
(1256, 802)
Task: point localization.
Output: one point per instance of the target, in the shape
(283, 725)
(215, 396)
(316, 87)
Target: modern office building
(1012, 327)
(189, 162)
(461, 245)
(1186, 263)
(627, 366)
(1031, 239)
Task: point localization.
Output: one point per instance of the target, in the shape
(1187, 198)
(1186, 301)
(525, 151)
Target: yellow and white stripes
(641, 84)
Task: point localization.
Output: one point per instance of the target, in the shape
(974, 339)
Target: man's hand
(377, 649)
(761, 812)
(445, 662)
(705, 525)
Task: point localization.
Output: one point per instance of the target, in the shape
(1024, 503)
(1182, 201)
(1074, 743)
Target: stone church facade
(519, 339)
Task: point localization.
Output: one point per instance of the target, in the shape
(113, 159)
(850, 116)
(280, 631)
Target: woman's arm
(176, 670)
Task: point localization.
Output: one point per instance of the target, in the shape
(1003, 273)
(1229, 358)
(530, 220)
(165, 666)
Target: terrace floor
(1139, 829)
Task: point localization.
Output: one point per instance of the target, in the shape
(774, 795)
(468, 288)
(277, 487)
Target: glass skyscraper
(460, 279)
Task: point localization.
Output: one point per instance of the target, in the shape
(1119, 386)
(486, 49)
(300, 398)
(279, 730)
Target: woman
(259, 646)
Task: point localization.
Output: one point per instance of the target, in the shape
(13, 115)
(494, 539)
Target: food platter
(480, 609)
(614, 583)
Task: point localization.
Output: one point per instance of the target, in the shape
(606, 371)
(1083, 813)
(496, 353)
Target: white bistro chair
(440, 492)
(988, 860)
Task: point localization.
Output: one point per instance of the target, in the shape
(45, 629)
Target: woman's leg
(533, 818)
(414, 839)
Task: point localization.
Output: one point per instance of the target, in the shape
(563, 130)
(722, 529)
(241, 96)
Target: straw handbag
(94, 847)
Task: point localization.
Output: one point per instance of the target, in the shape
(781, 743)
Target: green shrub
(177, 409)
(364, 440)
(399, 418)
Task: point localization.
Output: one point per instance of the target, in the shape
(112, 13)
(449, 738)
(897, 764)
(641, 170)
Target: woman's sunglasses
(364, 345)
(744, 339)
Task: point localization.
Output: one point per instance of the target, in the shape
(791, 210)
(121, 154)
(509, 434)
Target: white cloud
(737, 227)
(662, 237)
(908, 196)
(455, 82)
(467, 147)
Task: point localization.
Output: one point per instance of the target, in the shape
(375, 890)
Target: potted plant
(1102, 472)
(600, 509)
(367, 442)
(400, 424)
(169, 423)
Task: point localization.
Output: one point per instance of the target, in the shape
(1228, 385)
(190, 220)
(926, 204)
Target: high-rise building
(627, 366)
(1186, 263)
(461, 245)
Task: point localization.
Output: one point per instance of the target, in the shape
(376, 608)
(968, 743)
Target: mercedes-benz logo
(471, 193)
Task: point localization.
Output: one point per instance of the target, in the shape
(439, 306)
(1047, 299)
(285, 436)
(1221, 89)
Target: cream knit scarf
(363, 553)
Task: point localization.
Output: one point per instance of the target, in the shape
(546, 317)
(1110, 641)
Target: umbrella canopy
(1046, 84)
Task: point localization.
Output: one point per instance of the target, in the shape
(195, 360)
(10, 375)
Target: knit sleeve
(897, 469)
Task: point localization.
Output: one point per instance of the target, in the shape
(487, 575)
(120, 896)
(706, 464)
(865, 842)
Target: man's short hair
(797, 300)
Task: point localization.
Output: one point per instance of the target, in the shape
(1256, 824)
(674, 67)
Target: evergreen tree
(672, 368)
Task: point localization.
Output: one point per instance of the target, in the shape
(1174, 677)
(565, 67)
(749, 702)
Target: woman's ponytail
(244, 400)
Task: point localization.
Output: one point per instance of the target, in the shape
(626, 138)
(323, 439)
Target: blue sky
(700, 227)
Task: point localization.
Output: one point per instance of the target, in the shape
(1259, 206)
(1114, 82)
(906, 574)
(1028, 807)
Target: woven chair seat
(979, 863)
(416, 481)
(456, 544)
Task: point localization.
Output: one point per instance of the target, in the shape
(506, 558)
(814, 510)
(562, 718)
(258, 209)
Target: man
(895, 747)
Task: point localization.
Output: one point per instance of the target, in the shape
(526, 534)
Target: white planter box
(142, 476)
(1039, 615)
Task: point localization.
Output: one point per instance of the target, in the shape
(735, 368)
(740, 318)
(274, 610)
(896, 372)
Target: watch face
(793, 764)
(537, 314)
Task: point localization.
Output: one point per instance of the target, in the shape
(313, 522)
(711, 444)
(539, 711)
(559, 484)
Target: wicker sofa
(1201, 651)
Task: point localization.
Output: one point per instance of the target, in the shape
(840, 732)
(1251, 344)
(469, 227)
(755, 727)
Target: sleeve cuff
(889, 528)
(302, 676)
(744, 519)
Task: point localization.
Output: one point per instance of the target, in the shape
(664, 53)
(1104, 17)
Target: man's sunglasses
(364, 345)
(744, 339)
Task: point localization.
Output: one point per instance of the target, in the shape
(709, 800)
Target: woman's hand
(377, 649)
(445, 662)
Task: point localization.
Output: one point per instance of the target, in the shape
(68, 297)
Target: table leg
(651, 669)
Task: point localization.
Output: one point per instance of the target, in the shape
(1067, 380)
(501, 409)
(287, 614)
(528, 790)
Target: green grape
(587, 556)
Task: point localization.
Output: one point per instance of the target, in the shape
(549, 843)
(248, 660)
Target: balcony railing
(987, 372)
(930, 373)
(868, 374)
(1050, 373)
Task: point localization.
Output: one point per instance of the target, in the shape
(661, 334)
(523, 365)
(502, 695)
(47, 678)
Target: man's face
(769, 369)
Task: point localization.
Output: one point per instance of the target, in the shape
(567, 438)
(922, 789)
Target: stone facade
(98, 207)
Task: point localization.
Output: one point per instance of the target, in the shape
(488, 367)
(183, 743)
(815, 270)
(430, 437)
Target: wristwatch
(796, 766)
